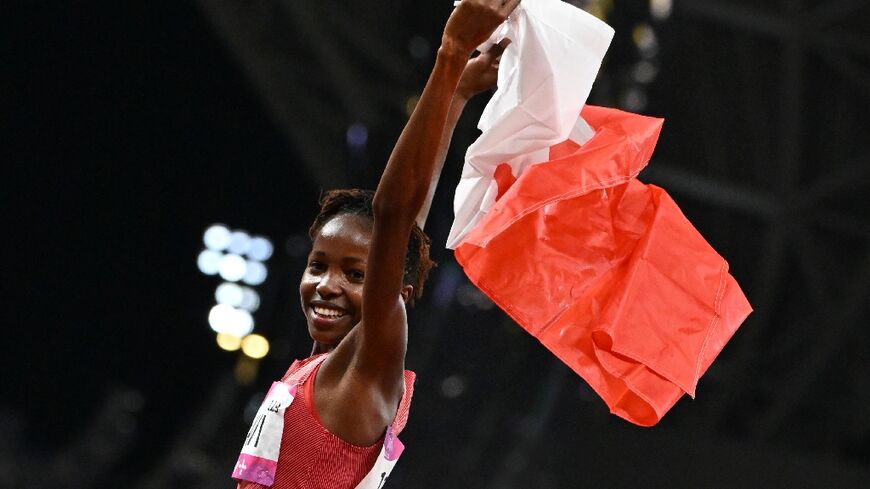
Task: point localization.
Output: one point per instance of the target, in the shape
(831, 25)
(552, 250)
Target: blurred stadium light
(236, 256)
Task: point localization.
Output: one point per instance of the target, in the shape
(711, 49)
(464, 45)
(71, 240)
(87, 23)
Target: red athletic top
(313, 458)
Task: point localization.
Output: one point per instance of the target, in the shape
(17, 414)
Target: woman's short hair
(359, 202)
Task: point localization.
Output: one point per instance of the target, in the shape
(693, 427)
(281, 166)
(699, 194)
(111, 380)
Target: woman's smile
(325, 315)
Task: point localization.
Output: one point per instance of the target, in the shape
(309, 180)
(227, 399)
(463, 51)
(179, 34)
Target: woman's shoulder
(298, 366)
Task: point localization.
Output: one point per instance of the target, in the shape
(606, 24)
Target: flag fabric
(553, 225)
(606, 271)
(545, 75)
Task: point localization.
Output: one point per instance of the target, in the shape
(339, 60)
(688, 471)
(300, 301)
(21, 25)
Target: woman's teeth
(331, 313)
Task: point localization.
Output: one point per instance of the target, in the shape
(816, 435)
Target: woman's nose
(328, 285)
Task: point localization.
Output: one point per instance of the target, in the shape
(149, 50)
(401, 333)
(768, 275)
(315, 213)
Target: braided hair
(359, 202)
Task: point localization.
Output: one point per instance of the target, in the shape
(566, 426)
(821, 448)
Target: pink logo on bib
(393, 447)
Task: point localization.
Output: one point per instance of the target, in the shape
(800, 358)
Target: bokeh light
(230, 294)
(224, 318)
(250, 299)
(419, 47)
(644, 72)
(660, 9)
(216, 237)
(240, 242)
(357, 135)
(255, 346)
(246, 370)
(244, 324)
(633, 99)
(232, 267)
(260, 248)
(228, 341)
(255, 274)
(220, 317)
(208, 262)
(646, 41)
(452, 386)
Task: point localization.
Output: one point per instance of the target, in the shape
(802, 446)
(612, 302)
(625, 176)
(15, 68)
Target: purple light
(357, 135)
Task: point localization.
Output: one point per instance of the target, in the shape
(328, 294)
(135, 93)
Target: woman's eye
(356, 274)
(315, 266)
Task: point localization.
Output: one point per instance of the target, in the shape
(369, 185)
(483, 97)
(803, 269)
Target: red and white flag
(544, 78)
(604, 270)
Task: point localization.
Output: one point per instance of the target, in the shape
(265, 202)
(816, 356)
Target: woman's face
(332, 284)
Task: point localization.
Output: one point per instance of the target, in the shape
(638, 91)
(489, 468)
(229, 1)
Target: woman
(332, 422)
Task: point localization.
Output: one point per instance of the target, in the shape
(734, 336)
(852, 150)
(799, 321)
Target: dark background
(129, 127)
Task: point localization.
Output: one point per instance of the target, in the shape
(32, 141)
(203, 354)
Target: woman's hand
(481, 72)
(472, 22)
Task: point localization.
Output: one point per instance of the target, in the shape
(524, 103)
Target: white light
(255, 274)
(244, 324)
(660, 9)
(260, 248)
(644, 72)
(232, 267)
(634, 99)
(250, 299)
(240, 241)
(208, 261)
(226, 319)
(216, 237)
(646, 41)
(221, 317)
(229, 293)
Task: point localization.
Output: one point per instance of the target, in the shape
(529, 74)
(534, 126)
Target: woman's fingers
(472, 22)
(508, 6)
(497, 49)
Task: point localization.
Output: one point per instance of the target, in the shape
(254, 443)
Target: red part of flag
(606, 271)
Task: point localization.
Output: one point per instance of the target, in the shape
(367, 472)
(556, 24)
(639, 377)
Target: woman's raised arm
(405, 186)
(480, 74)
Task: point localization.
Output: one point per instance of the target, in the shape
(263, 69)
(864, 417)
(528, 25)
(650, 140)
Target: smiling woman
(333, 420)
(331, 287)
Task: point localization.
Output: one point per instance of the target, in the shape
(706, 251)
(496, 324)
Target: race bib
(390, 452)
(259, 457)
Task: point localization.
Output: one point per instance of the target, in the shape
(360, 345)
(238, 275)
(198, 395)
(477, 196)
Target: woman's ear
(407, 293)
